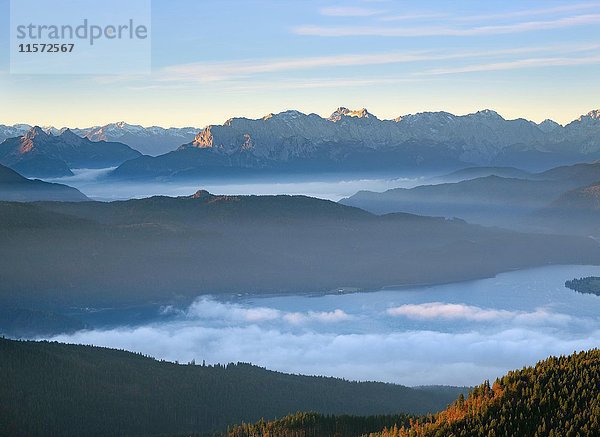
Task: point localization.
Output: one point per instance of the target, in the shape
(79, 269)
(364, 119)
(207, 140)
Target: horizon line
(45, 126)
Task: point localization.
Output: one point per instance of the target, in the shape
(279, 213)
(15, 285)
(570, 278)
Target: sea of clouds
(413, 337)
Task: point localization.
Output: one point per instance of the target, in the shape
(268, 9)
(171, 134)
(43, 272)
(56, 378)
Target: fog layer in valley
(92, 183)
(455, 334)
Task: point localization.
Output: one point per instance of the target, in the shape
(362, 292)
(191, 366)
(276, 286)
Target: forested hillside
(170, 250)
(68, 390)
(317, 425)
(556, 397)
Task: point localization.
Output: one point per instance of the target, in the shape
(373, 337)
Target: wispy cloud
(448, 17)
(531, 12)
(528, 26)
(218, 71)
(349, 11)
(518, 64)
(316, 83)
(224, 70)
(416, 16)
(255, 75)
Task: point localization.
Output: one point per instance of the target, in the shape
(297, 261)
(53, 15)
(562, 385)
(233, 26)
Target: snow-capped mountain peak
(342, 111)
(489, 113)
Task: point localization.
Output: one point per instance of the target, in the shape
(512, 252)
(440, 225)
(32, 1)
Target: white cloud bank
(448, 311)
(454, 312)
(206, 308)
(327, 343)
(409, 357)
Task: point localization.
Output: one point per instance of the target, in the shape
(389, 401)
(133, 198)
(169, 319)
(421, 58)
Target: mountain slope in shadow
(16, 188)
(62, 389)
(39, 154)
(163, 249)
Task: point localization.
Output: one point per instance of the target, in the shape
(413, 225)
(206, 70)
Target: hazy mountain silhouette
(39, 154)
(14, 187)
(165, 249)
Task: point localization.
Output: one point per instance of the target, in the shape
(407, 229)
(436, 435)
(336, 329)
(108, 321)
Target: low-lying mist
(420, 336)
(92, 183)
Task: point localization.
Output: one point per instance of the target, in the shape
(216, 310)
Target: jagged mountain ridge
(153, 140)
(292, 134)
(349, 140)
(352, 140)
(40, 154)
(482, 134)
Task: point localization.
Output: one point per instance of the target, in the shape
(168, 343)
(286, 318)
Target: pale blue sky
(212, 60)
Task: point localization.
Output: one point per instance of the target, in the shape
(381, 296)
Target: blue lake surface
(518, 291)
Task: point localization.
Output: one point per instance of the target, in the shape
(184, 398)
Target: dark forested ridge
(589, 285)
(165, 249)
(556, 397)
(318, 425)
(69, 390)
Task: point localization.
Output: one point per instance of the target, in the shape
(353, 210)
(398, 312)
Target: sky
(212, 60)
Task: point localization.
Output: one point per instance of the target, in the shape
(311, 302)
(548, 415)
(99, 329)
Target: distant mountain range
(497, 196)
(152, 140)
(490, 200)
(351, 141)
(347, 141)
(479, 172)
(16, 188)
(40, 154)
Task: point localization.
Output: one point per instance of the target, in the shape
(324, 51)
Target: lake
(457, 334)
